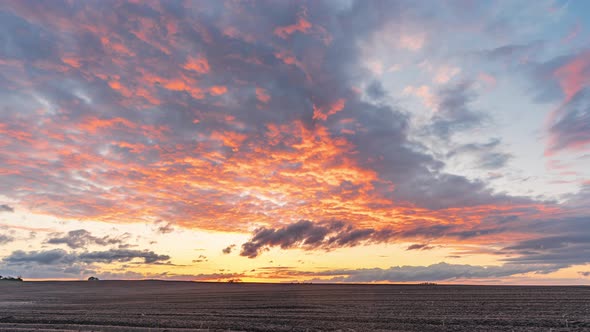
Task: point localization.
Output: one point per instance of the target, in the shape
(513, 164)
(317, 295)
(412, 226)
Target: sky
(296, 141)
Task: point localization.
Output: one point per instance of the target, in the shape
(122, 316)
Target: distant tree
(19, 278)
(93, 279)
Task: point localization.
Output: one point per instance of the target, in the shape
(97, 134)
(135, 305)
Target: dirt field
(185, 306)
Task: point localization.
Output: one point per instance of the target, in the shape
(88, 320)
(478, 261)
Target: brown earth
(186, 306)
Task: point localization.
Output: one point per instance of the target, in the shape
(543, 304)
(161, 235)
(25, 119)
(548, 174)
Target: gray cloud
(571, 130)
(6, 208)
(513, 53)
(166, 228)
(308, 235)
(122, 255)
(81, 238)
(494, 160)
(568, 249)
(62, 257)
(437, 272)
(328, 235)
(228, 249)
(200, 259)
(5, 239)
(48, 257)
(419, 246)
(486, 154)
(455, 112)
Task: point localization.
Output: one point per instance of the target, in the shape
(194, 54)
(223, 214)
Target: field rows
(178, 306)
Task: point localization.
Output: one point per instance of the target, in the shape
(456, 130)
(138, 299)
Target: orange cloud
(262, 95)
(218, 90)
(323, 114)
(73, 62)
(116, 85)
(302, 25)
(198, 64)
(116, 46)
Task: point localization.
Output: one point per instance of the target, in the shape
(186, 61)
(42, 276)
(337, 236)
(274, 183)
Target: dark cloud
(61, 257)
(328, 235)
(569, 245)
(437, 272)
(200, 259)
(55, 256)
(571, 249)
(585, 273)
(308, 235)
(81, 238)
(122, 255)
(418, 246)
(165, 228)
(375, 90)
(5, 239)
(6, 208)
(228, 249)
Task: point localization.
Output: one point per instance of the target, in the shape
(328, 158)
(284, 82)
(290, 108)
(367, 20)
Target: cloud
(454, 111)
(81, 238)
(40, 257)
(230, 92)
(571, 130)
(486, 154)
(200, 259)
(329, 235)
(302, 25)
(122, 255)
(513, 53)
(569, 249)
(307, 235)
(419, 246)
(166, 228)
(4, 239)
(228, 249)
(436, 272)
(6, 208)
(60, 256)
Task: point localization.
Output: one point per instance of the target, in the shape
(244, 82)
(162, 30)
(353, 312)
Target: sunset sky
(325, 141)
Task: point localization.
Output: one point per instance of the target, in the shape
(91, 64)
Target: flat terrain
(186, 306)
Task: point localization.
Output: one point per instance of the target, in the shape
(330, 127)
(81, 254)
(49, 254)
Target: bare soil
(187, 306)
